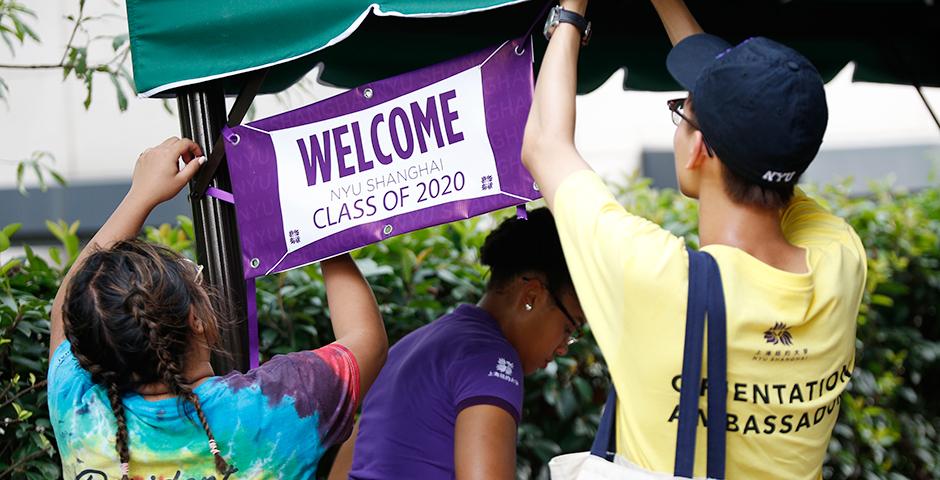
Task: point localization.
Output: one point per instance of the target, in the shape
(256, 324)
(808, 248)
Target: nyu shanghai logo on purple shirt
(504, 371)
(427, 147)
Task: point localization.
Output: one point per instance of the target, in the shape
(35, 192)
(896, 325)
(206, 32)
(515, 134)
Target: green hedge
(890, 420)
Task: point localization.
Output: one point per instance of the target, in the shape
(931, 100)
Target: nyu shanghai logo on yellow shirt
(779, 336)
(779, 333)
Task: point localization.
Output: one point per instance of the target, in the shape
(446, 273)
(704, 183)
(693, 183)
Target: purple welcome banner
(420, 149)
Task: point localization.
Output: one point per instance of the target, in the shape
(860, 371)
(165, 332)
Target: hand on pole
(157, 175)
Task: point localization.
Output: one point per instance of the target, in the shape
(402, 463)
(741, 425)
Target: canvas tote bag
(601, 463)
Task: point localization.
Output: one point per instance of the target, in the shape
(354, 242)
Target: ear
(697, 151)
(530, 292)
(195, 324)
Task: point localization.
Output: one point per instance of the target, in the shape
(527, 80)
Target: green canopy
(181, 42)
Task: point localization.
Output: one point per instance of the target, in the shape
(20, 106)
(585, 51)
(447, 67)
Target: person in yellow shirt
(793, 274)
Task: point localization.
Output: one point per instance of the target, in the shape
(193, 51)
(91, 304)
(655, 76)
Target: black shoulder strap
(705, 296)
(605, 442)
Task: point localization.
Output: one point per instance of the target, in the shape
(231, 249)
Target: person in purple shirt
(449, 399)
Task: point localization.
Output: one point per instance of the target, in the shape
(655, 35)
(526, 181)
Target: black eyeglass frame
(677, 104)
(577, 332)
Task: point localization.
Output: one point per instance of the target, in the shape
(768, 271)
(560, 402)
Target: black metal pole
(202, 115)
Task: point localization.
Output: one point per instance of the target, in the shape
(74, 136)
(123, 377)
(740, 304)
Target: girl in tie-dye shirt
(131, 390)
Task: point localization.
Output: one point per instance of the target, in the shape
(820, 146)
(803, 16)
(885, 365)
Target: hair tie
(213, 447)
(125, 469)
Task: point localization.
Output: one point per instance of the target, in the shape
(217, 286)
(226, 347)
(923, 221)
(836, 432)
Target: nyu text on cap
(761, 105)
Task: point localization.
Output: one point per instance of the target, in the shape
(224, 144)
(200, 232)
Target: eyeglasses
(574, 332)
(676, 106)
(194, 266)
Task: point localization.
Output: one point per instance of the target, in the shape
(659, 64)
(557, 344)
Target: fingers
(169, 141)
(185, 148)
(189, 171)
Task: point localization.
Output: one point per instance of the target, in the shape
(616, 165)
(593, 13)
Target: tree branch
(22, 461)
(30, 67)
(78, 24)
(19, 394)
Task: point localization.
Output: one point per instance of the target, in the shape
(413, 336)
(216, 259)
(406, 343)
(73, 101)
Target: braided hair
(518, 246)
(127, 316)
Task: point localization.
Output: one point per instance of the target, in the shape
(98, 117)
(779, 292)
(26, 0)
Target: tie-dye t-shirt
(273, 422)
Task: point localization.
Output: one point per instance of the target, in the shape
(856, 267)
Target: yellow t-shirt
(791, 337)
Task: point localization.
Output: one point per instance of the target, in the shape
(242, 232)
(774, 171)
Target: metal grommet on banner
(255, 263)
(367, 93)
(387, 230)
(234, 139)
(535, 186)
(518, 51)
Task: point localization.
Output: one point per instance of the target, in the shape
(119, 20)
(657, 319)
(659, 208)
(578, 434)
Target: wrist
(560, 15)
(137, 200)
(574, 6)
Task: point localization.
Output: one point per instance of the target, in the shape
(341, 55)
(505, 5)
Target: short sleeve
(67, 381)
(487, 374)
(618, 261)
(806, 222)
(322, 382)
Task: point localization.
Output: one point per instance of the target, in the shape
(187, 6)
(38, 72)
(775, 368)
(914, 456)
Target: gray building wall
(90, 203)
(913, 167)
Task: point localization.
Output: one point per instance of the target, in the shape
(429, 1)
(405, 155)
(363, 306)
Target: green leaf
(81, 62)
(88, 81)
(6, 39)
(187, 226)
(69, 63)
(30, 33)
(882, 300)
(121, 97)
(42, 181)
(56, 230)
(55, 255)
(4, 242)
(10, 229)
(57, 177)
(20, 171)
(9, 266)
(118, 41)
(20, 31)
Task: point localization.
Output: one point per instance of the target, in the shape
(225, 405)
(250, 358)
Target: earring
(528, 307)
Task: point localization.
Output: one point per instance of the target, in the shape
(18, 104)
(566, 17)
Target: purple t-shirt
(407, 425)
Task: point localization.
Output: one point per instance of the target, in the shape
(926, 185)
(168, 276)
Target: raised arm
(156, 179)
(677, 19)
(354, 313)
(548, 150)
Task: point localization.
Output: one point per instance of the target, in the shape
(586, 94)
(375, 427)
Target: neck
(756, 231)
(197, 370)
(724, 222)
(499, 307)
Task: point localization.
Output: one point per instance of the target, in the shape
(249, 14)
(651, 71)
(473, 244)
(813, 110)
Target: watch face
(551, 21)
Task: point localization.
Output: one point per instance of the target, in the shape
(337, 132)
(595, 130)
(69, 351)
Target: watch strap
(567, 16)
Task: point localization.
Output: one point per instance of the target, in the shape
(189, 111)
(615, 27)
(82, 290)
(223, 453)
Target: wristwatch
(558, 15)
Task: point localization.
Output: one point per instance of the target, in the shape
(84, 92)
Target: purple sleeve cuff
(489, 400)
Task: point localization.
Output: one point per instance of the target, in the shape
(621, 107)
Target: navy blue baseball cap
(760, 105)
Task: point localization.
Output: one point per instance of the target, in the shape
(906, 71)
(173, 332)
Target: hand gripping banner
(428, 147)
(424, 148)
